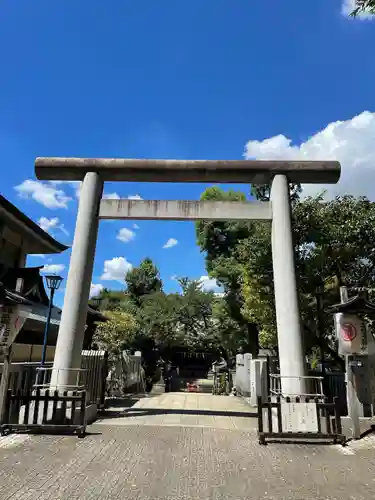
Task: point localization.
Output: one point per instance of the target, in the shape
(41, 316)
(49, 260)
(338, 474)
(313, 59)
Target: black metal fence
(334, 386)
(328, 421)
(45, 411)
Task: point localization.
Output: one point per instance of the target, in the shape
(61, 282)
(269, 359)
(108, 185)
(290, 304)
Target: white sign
(351, 334)
(297, 417)
(12, 319)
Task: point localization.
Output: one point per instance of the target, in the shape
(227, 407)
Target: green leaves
(145, 317)
(118, 333)
(143, 280)
(363, 6)
(334, 245)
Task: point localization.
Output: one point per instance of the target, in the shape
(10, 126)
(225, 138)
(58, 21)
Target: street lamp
(53, 283)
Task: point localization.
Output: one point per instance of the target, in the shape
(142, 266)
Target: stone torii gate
(94, 172)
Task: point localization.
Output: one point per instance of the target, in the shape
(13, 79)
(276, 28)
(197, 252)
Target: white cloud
(125, 235)
(116, 269)
(39, 255)
(135, 226)
(116, 196)
(352, 142)
(49, 225)
(76, 185)
(209, 284)
(170, 243)
(111, 196)
(349, 5)
(95, 289)
(44, 193)
(135, 197)
(53, 268)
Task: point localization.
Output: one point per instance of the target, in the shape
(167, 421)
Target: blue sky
(176, 79)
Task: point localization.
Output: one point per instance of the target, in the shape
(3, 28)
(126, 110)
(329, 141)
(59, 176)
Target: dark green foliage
(143, 280)
(363, 6)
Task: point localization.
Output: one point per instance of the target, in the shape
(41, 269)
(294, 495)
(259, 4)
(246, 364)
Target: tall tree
(158, 316)
(219, 241)
(116, 334)
(143, 280)
(334, 245)
(114, 300)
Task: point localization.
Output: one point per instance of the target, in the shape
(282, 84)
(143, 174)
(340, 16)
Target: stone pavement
(143, 455)
(178, 463)
(184, 409)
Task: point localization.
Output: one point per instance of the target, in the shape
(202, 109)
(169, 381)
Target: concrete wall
(251, 378)
(242, 380)
(184, 210)
(30, 353)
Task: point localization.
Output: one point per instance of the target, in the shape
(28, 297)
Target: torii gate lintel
(93, 173)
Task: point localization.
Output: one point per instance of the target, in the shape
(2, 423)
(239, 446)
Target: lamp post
(53, 283)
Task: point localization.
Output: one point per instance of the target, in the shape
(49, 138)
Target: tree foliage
(155, 319)
(220, 242)
(334, 245)
(262, 192)
(364, 6)
(116, 334)
(143, 280)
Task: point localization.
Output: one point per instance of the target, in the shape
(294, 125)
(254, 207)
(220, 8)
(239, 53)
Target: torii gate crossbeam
(94, 172)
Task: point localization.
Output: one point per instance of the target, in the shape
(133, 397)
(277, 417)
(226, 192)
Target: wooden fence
(328, 420)
(45, 411)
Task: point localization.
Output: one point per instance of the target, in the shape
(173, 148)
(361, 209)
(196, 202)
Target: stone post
(73, 318)
(290, 342)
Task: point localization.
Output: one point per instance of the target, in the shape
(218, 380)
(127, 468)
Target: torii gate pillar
(289, 332)
(95, 171)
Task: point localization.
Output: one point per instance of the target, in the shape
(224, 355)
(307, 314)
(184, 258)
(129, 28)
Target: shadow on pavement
(300, 441)
(138, 412)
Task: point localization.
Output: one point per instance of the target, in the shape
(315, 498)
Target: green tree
(178, 319)
(262, 192)
(143, 280)
(113, 300)
(157, 317)
(116, 334)
(219, 241)
(195, 314)
(334, 246)
(364, 6)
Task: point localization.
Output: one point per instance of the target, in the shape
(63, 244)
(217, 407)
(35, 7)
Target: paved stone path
(178, 463)
(186, 409)
(181, 462)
